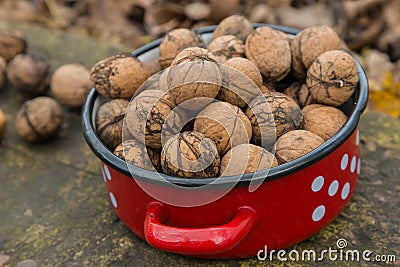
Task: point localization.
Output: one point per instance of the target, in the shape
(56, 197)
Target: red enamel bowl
(294, 201)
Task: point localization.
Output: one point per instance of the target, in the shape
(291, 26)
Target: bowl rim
(278, 172)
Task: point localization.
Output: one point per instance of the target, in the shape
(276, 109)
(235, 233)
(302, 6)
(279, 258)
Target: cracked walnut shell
(118, 76)
(190, 154)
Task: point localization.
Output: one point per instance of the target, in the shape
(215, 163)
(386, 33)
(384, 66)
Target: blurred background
(370, 28)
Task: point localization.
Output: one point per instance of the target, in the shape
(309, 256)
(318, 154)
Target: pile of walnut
(301, 83)
(40, 117)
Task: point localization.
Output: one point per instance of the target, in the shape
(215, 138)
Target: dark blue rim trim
(280, 171)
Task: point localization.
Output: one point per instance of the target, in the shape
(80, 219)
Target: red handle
(193, 241)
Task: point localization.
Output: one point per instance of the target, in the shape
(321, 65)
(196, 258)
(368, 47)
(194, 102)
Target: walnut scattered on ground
(3, 121)
(332, 77)
(70, 84)
(39, 119)
(295, 144)
(29, 74)
(190, 154)
(12, 43)
(246, 158)
(118, 76)
(3, 64)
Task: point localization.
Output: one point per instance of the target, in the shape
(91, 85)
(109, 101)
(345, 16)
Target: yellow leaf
(386, 101)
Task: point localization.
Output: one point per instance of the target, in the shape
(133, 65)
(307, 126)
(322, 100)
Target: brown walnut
(190, 154)
(234, 25)
(225, 47)
(39, 119)
(12, 43)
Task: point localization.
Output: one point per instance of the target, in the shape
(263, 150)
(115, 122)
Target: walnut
(152, 118)
(241, 82)
(39, 119)
(12, 43)
(270, 51)
(225, 47)
(2, 72)
(309, 44)
(246, 158)
(109, 122)
(3, 121)
(174, 42)
(271, 115)
(118, 76)
(295, 144)
(225, 124)
(234, 25)
(190, 154)
(135, 153)
(323, 120)
(29, 74)
(300, 94)
(70, 84)
(194, 75)
(332, 77)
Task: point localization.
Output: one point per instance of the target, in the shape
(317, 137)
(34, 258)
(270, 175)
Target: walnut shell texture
(234, 25)
(174, 42)
(2, 72)
(109, 122)
(241, 82)
(12, 43)
(152, 118)
(246, 158)
(309, 44)
(270, 51)
(295, 144)
(225, 124)
(70, 84)
(190, 154)
(137, 154)
(225, 47)
(322, 120)
(194, 75)
(29, 74)
(39, 119)
(332, 77)
(272, 115)
(118, 76)
(300, 94)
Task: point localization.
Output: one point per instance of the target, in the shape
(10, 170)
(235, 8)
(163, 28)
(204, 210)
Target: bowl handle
(200, 241)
